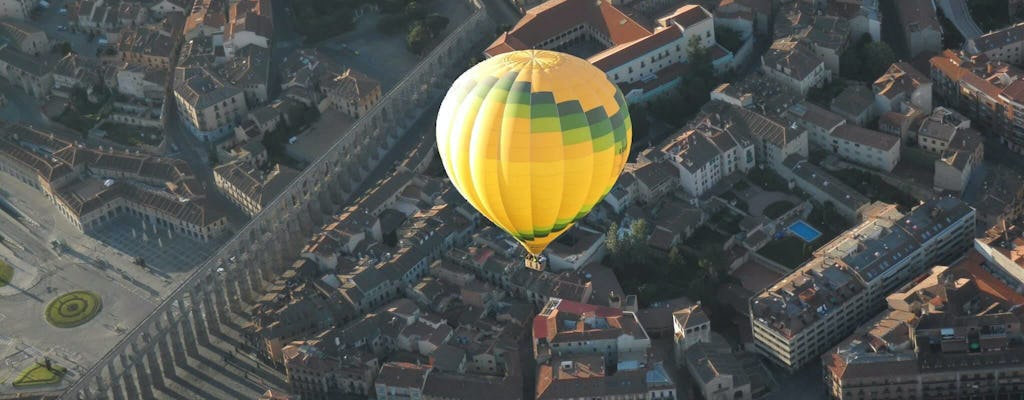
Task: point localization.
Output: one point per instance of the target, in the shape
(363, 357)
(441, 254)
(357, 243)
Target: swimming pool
(805, 231)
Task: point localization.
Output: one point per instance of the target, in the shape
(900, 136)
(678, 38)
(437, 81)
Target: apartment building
(866, 147)
(799, 317)
(794, 64)
(902, 86)
(920, 23)
(207, 104)
(565, 328)
(147, 47)
(951, 333)
(16, 8)
(26, 37)
(990, 93)
(707, 154)
(1006, 45)
(251, 188)
(32, 74)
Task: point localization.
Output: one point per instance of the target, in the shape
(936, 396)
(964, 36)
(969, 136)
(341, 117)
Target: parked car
(62, 28)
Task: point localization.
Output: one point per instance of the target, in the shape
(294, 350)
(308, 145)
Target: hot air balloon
(533, 139)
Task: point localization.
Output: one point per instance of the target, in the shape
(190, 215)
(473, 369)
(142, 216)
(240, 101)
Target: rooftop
(851, 261)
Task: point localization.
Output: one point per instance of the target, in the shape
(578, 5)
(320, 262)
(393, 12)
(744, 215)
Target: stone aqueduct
(171, 334)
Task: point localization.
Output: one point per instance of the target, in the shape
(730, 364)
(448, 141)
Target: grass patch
(39, 375)
(778, 208)
(789, 251)
(6, 273)
(73, 309)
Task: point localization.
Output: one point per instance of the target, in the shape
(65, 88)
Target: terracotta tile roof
(556, 16)
(623, 53)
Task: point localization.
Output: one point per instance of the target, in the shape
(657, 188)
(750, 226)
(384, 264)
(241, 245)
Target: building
(352, 92)
(577, 247)
(401, 381)
(565, 328)
(249, 23)
(109, 16)
(717, 372)
(901, 87)
(829, 37)
(856, 103)
(773, 141)
(799, 317)
(250, 188)
(866, 147)
(147, 47)
(16, 8)
(707, 154)
(954, 332)
(819, 122)
(795, 65)
(587, 376)
(643, 60)
(92, 186)
(25, 37)
(921, 29)
(164, 7)
(206, 19)
(141, 82)
(990, 93)
(249, 70)
(207, 104)
(690, 326)
(32, 74)
(822, 186)
(74, 71)
(1000, 45)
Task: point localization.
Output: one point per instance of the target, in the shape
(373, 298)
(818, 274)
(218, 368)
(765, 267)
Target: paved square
(162, 249)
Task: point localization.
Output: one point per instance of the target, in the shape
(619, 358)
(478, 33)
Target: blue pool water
(805, 231)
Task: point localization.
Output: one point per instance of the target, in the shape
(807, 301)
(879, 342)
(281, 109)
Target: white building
(707, 154)
(795, 65)
(866, 147)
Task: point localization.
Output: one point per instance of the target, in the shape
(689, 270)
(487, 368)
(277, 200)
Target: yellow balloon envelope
(534, 139)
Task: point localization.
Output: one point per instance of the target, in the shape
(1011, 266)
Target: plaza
(103, 263)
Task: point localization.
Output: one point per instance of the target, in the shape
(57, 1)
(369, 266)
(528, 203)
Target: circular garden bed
(73, 309)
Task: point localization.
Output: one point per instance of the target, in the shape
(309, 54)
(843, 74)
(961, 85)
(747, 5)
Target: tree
(877, 56)
(435, 23)
(418, 39)
(62, 48)
(638, 116)
(611, 240)
(728, 38)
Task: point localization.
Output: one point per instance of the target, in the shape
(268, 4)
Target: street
(196, 153)
(957, 12)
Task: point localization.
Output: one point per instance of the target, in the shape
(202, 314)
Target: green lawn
(73, 309)
(778, 208)
(6, 273)
(790, 251)
(38, 375)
